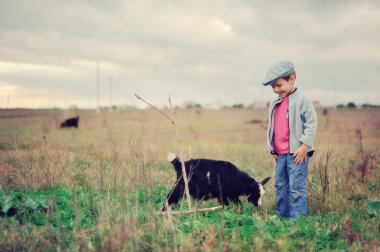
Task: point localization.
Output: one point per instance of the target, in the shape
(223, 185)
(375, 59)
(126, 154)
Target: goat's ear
(265, 180)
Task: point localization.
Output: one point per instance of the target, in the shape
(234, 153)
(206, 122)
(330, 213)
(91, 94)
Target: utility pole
(335, 104)
(65, 107)
(97, 88)
(111, 94)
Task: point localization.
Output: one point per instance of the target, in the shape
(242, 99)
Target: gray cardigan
(302, 122)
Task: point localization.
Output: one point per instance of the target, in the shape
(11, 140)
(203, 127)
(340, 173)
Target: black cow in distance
(70, 123)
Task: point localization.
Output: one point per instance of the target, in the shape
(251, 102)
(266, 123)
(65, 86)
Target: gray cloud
(196, 50)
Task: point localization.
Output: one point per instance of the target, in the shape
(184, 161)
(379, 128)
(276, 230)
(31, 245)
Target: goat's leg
(174, 196)
(238, 202)
(223, 200)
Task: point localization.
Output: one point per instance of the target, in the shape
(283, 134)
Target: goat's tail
(173, 158)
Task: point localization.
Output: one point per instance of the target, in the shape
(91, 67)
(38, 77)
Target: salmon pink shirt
(281, 127)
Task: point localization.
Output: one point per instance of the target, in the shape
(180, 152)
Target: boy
(291, 130)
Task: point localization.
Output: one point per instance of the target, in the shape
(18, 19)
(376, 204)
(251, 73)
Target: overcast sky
(203, 51)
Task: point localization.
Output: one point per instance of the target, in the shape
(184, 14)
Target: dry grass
(129, 147)
(126, 150)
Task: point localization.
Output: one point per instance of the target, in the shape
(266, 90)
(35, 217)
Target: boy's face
(284, 87)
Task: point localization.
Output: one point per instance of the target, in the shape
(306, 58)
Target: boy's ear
(265, 180)
(293, 77)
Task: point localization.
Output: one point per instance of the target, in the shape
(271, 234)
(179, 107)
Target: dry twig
(173, 121)
(192, 211)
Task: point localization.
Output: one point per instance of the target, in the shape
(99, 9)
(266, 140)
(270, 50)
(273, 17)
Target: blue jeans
(291, 187)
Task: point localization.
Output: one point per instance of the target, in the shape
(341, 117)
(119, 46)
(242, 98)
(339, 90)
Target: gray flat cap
(278, 70)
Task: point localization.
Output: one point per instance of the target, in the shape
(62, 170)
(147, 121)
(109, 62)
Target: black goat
(214, 179)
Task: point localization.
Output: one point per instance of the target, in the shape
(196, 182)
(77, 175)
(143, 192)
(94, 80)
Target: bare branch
(192, 211)
(160, 111)
(173, 121)
(185, 179)
(170, 219)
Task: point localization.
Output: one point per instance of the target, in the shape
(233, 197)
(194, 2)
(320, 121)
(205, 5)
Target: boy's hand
(301, 154)
(275, 156)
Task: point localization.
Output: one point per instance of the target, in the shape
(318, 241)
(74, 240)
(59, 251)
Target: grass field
(99, 187)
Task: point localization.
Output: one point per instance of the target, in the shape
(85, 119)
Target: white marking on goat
(208, 177)
(262, 192)
(171, 156)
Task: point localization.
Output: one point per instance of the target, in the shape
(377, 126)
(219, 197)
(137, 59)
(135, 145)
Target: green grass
(61, 214)
(99, 187)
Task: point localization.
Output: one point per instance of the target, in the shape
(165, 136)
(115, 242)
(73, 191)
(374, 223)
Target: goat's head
(257, 192)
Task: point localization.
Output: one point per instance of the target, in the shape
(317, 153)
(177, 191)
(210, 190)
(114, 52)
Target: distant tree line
(197, 105)
(352, 105)
(234, 106)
